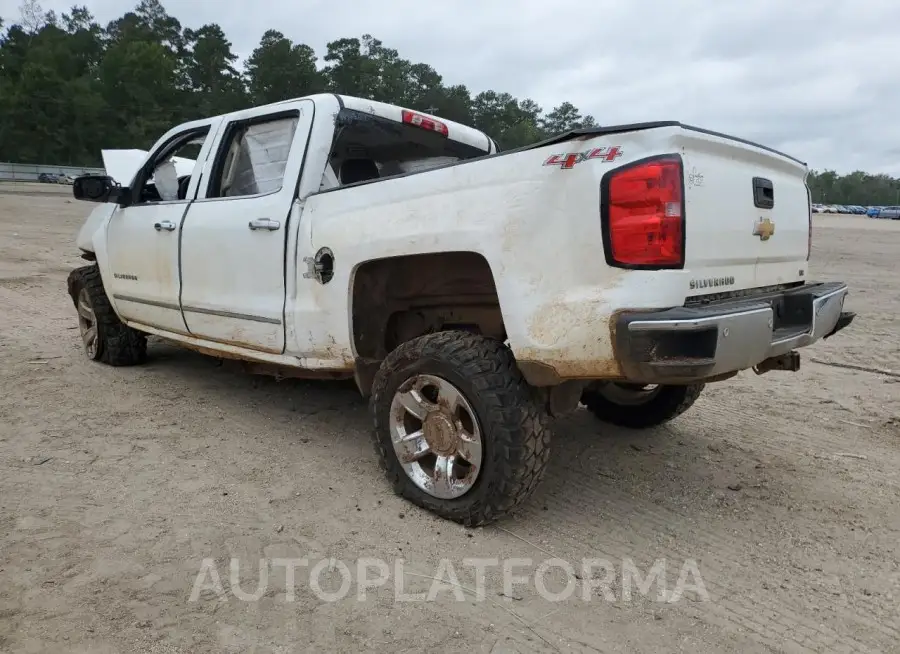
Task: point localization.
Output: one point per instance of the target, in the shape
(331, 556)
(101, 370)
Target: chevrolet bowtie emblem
(764, 228)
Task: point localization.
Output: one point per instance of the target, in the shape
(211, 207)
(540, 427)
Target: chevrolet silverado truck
(471, 294)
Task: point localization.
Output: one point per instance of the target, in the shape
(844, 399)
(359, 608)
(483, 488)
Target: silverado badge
(712, 282)
(764, 228)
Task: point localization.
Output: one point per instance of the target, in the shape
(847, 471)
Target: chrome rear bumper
(687, 344)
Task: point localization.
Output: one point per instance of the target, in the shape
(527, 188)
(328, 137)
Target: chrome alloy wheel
(87, 322)
(436, 436)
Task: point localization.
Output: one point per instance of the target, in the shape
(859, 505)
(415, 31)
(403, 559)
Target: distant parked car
(47, 178)
(873, 212)
(65, 179)
(890, 212)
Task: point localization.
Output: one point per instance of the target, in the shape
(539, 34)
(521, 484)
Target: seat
(358, 170)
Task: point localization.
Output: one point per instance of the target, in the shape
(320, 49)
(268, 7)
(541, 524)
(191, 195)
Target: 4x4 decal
(568, 160)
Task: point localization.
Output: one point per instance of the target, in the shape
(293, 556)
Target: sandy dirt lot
(116, 484)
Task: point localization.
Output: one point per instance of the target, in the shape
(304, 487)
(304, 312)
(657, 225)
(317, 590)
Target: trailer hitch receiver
(789, 361)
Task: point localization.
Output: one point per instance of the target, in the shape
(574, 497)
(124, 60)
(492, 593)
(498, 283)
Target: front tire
(456, 427)
(105, 338)
(639, 406)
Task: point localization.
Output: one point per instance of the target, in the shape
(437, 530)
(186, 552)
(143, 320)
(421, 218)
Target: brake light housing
(425, 122)
(642, 211)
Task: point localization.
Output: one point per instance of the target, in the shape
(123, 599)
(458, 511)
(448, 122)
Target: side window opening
(368, 147)
(167, 175)
(254, 159)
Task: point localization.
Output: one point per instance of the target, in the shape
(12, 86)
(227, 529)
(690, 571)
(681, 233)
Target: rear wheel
(105, 338)
(639, 405)
(456, 427)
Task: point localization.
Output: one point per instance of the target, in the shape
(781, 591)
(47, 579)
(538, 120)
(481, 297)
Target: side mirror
(100, 188)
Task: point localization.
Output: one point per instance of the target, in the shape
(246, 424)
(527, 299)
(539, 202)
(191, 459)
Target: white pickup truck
(472, 294)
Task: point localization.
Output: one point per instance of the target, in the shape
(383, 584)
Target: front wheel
(639, 406)
(105, 338)
(456, 427)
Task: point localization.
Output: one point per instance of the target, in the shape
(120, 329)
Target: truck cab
(199, 242)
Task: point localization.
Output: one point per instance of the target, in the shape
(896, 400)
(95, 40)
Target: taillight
(642, 207)
(418, 120)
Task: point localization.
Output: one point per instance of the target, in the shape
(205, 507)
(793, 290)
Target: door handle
(167, 225)
(264, 223)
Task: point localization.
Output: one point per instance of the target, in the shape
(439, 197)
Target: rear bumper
(687, 344)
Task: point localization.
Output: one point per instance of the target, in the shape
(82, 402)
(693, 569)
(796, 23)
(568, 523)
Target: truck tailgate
(747, 215)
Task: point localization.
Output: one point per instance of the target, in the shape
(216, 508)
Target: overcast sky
(819, 79)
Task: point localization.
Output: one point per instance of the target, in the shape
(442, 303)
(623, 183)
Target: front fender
(90, 237)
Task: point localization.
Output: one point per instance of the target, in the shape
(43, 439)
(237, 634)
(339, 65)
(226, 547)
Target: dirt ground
(116, 484)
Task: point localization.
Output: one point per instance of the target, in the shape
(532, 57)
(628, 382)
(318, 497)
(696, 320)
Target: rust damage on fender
(555, 364)
(554, 372)
(539, 370)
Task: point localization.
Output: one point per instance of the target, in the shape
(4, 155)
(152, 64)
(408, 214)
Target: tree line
(69, 87)
(856, 188)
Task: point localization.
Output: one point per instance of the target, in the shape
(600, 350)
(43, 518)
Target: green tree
(510, 122)
(142, 101)
(148, 22)
(453, 103)
(827, 187)
(215, 84)
(69, 87)
(279, 69)
(565, 117)
(347, 69)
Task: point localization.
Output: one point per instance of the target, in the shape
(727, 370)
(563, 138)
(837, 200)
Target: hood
(122, 165)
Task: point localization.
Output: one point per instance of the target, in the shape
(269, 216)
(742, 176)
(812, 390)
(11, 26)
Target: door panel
(143, 239)
(234, 238)
(144, 264)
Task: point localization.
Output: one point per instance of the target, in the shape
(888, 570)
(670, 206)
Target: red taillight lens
(418, 120)
(645, 215)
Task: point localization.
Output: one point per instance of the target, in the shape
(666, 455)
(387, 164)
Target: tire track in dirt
(173, 409)
(767, 513)
(764, 619)
(720, 552)
(622, 511)
(149, 382)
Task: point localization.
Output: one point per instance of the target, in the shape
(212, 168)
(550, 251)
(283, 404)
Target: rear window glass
(368, 147)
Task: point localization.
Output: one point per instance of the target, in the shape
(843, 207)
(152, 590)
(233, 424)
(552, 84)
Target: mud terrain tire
(514, 431)
(667, 403)
(114, 343)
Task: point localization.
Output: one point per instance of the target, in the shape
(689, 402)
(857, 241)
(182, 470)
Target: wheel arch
(396, 299)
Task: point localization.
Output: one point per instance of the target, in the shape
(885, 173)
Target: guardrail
(18, 172)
